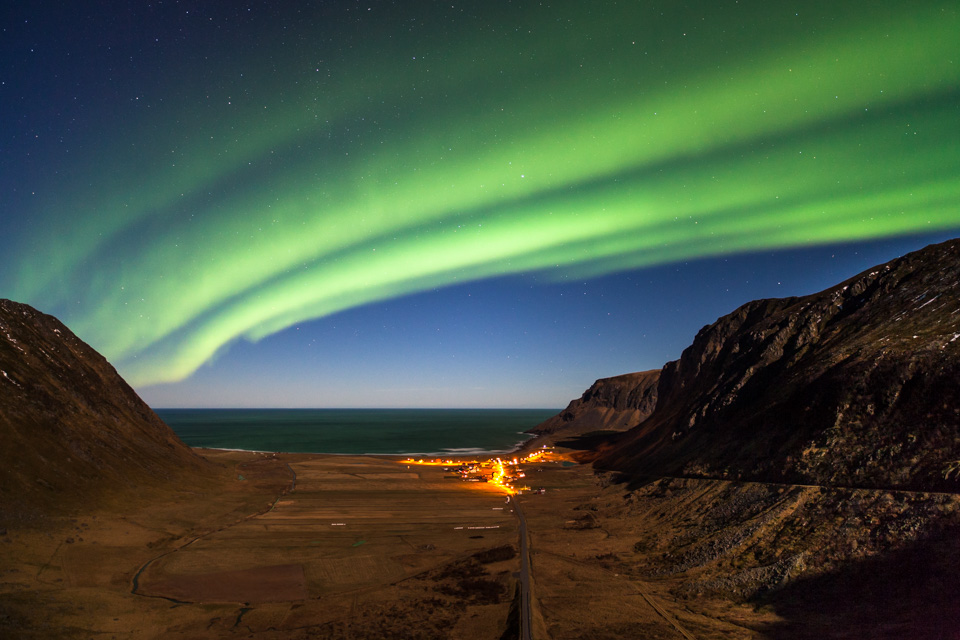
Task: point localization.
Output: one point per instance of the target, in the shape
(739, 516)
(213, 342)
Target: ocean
(356, 431)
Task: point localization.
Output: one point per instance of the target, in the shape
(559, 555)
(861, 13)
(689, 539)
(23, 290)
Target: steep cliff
(615, 404)
(858, 385)
(71, 428)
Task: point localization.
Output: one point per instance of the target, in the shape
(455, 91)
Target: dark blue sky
(442, 205)
(516, 341)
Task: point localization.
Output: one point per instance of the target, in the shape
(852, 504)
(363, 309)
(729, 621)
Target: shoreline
(447, 453)
(415, 432)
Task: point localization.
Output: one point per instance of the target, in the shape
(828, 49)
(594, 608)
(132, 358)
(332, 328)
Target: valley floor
(297, 546)
(283, 546)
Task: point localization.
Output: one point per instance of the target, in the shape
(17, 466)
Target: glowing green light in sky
(394, 178)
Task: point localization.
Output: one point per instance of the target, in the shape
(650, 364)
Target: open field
(577, 593)
(361, 547)
(301, 546)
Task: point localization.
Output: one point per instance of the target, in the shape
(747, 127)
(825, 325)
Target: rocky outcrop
(855, 386)
(71, 427)
(614, 404)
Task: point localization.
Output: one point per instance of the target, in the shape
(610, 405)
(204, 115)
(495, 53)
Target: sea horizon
(356, 431)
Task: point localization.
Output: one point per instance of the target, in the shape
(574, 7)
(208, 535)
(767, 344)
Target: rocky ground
(744, 559)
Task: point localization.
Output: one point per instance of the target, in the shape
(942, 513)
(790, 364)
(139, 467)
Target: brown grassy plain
(579, 593)
(365, 547)
(361, 547)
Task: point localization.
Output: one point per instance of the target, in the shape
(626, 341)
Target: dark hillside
(614, 404)
(858, 385)
(71, 428)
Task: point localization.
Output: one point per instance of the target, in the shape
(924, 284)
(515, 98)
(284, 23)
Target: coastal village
(505, 474)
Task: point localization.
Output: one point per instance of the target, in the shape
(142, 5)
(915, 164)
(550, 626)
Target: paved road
(526, 616)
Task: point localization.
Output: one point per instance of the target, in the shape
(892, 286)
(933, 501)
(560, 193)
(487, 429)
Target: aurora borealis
(180, 179)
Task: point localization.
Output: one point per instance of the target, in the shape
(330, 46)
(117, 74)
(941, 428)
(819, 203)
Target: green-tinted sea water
(356, 431)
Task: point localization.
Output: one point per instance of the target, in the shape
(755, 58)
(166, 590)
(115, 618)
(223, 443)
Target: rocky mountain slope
(71, 427)
(614, 404)
(856, 386)
(797, 477)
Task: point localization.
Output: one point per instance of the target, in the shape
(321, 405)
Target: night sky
(445, 204)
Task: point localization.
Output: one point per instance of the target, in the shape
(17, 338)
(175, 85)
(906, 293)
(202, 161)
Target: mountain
(858, 386)
(71, 428)
(610, 404)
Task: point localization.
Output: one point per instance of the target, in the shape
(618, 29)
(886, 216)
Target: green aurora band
(569, 150)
